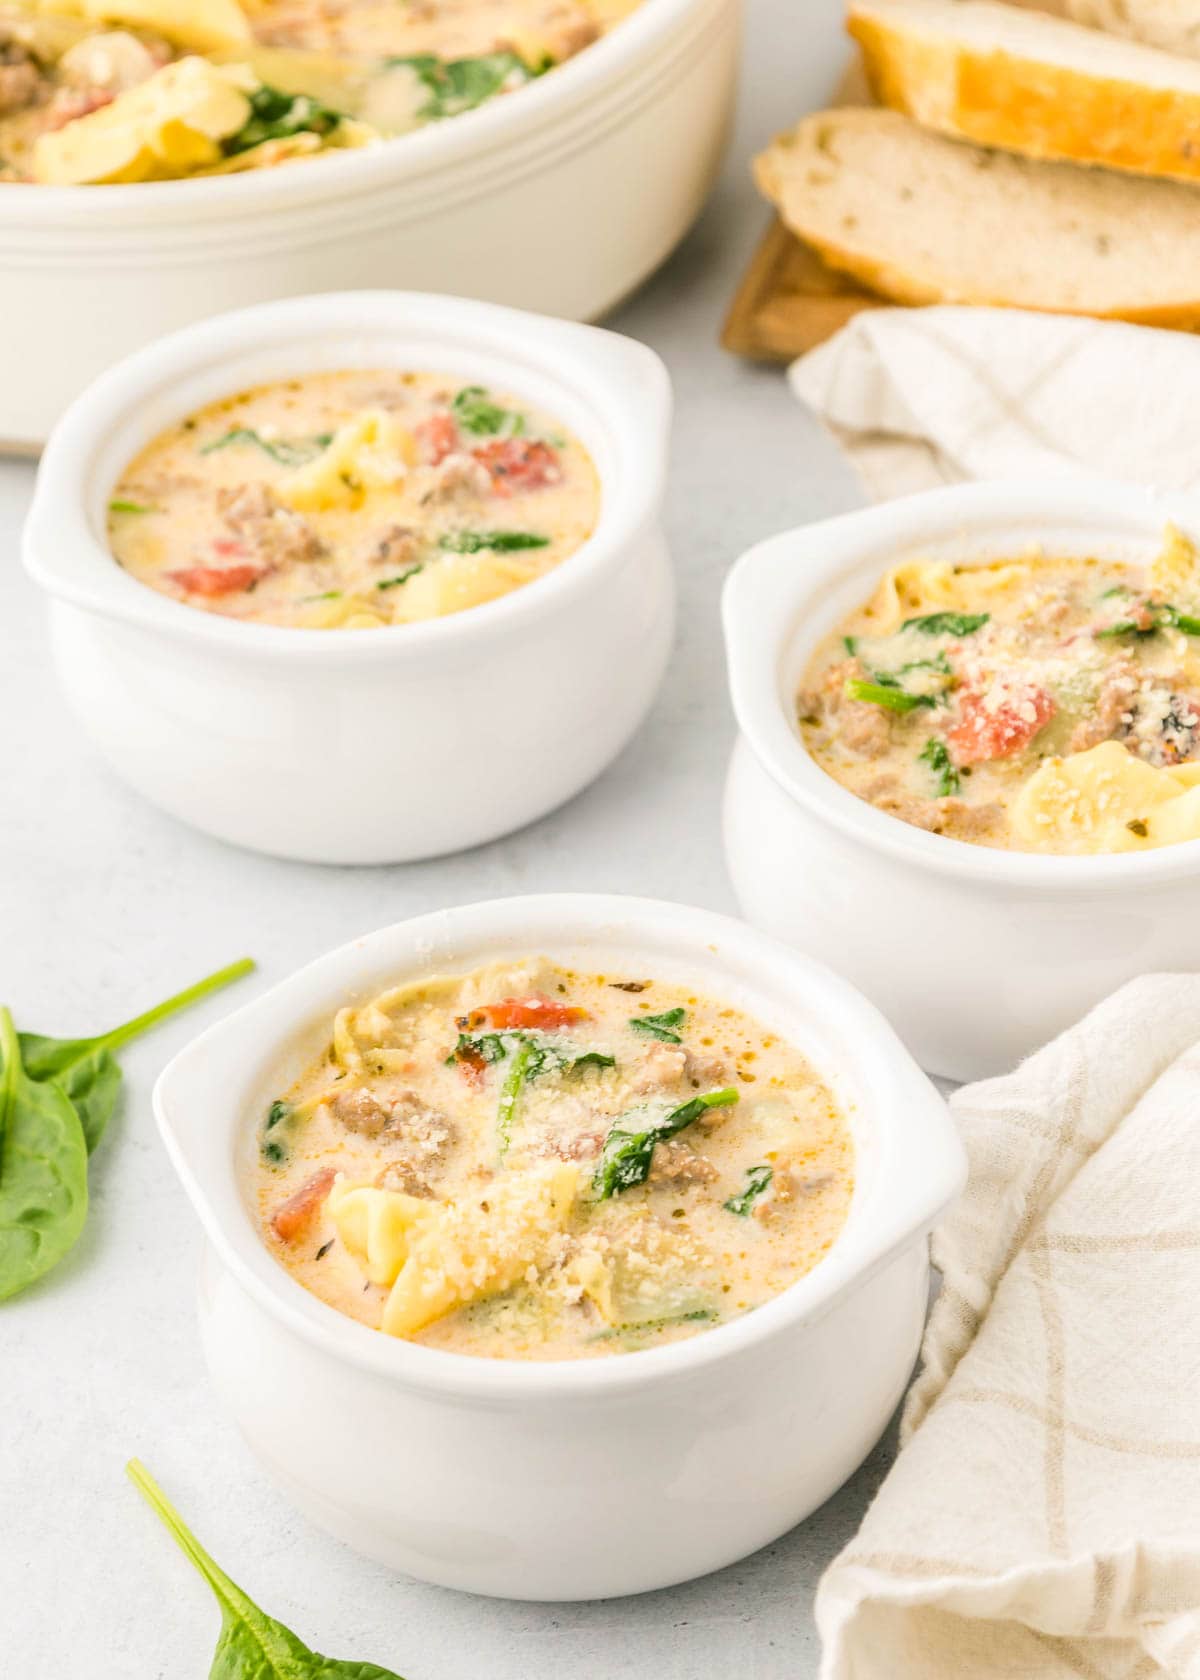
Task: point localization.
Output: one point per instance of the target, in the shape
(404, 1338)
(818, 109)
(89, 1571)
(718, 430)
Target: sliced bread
(1032, 83)
(1173, 24)
(924, 219)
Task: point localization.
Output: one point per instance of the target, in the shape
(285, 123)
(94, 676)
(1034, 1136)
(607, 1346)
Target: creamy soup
(353, 500)
(95, 91)
(1037, 703)
(532, 1163)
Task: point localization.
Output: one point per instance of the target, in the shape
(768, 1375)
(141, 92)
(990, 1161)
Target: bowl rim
(623, 383)
(920, 1168)
(763, 603)
(572, 86)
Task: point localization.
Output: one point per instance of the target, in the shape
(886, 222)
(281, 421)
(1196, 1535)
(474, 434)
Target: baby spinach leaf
(660, 1026)
(502, 542)
(401, 577)
(936, 754)
(43, 1170)
(626, 1157)
(475, 412)
(289, 452)
(947, 623)
(1160, 614)
(120, 505)
(252, 1645)
(273, 1144)
(890, 696)
(640, 1327)
(529, 1056)
(519, 1071)
(276, 116)
(455, 85)
(757, 1180)
(57, 1095)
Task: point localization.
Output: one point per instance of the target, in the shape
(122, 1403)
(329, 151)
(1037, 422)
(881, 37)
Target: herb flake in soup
(353, 500)
(501, 1164)
(1037, 703)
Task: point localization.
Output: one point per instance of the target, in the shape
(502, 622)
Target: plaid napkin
(921, 397)
(1043, 1519)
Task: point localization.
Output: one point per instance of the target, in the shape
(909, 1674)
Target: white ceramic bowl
(976, 956)
(561, 197)
(356, 746)
(570, 1479)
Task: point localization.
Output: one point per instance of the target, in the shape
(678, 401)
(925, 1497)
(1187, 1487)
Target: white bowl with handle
(975, 955)
(365, 746)
(560, 197)
(577, 1478)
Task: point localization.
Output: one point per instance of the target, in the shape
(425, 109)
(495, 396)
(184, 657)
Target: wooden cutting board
(789, 301)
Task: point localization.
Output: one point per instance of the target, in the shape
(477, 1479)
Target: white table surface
(106, 906)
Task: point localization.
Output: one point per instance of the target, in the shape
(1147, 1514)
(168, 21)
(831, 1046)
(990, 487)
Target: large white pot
(353, 746)
(573, 1479)
(560, 197)
(975, 955)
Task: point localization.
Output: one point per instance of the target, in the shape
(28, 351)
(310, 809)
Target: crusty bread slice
(1035, 84)
(1171, 24)
(924, 219)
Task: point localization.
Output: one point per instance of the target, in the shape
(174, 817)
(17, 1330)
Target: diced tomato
(291, 1218)
(217, 580)
(228, 547)
(530, 1012)
(471, 1065)
(985, 731)
(519, 464)
(437, 438)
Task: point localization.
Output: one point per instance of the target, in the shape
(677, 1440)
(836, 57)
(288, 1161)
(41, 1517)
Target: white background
(106, 907)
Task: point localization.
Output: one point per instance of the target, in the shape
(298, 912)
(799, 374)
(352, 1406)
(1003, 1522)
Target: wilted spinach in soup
(1036, 703)
(532, 1163)
(95, 91)
(353, 500)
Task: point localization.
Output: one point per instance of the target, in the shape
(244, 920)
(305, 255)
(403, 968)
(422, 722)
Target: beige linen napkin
(920, 397)
(1043, 1519)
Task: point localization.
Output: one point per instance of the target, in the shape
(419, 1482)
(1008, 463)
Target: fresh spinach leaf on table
(43, 1181)
(57, 1095)
(252, 1645)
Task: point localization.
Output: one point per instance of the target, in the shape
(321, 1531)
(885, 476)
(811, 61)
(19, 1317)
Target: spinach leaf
(890, 696)
(401, 577)
(273, 1145)
(645, 1326)
(936, 754)
(275, 115)
(502, 542)
(947, 623)
(455, 85)
(289, 452)
(252, 1645)
(757, 1180)
(1162, 616)
(57, 1095)
(626, 1157)
(476, 413)
(519, 1070)
(43, 1170)
(120, 505)
(529, 1056)
(660, 1026)
(86, 1069)
(850, 643)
